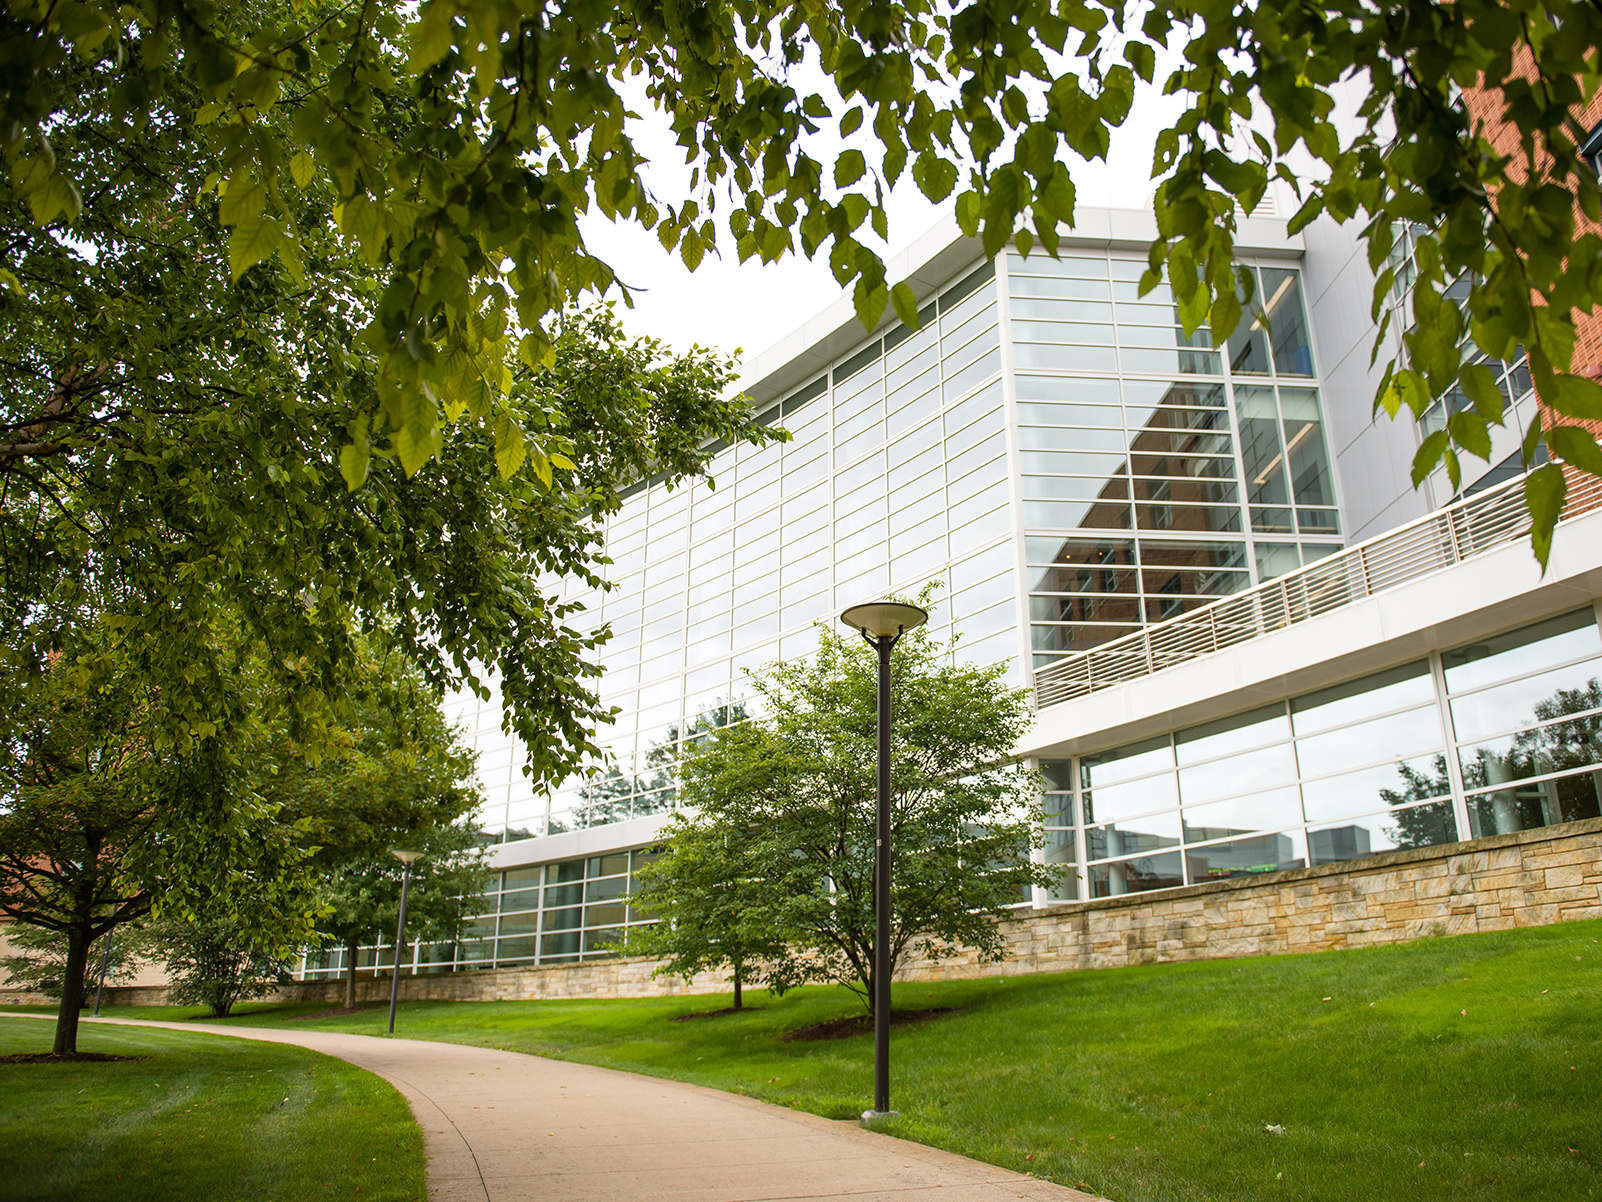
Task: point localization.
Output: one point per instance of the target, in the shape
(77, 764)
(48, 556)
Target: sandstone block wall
(1528, 879)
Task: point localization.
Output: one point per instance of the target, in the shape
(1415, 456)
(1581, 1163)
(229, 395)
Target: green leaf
(1576, 445)
(252, 241)
(354, 459)
(302, 169)
(851, 122)
(511, 447)
(1479, 383)
(906, 305)
(1430, 453)
(418, 438)
(1544, 492)
(849, 168)
(243, 200)
(1576, 397)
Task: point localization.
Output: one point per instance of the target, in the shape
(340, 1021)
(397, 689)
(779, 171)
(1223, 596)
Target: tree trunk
(350, 975)
(737, 984)
(78, 941)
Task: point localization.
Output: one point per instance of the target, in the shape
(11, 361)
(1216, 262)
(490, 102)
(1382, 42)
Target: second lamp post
(407, 858)
(882, 623)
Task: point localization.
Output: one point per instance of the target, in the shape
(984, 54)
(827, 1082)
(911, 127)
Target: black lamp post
(407, 858)
(882, 623)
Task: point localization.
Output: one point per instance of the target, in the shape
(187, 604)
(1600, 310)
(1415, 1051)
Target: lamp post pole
(881, 624)
(406, 858)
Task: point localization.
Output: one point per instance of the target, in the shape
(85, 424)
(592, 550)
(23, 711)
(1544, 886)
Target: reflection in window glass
(1539, 751)
(1398, 830)
(1239, 773)
(1536, 804)
(1393, 689)
(1124, 763)
(1282, 306)
(1228, 735)
(1370, 788)
(1135, 876)
(1558, 693)
(1399, 736)
(1248, 345)
(1262, 453)
(1145, 834)
(1245, 857)
(1114, 803)
(1521, 652)
(1304, 447)
(1263, 810)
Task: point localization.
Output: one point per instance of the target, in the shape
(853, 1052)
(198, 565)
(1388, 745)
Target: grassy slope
(200, 1117)
(1157, 1082)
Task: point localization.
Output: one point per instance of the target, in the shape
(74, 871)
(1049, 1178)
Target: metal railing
(1466, 528)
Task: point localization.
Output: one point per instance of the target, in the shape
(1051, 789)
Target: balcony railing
(1448, 536)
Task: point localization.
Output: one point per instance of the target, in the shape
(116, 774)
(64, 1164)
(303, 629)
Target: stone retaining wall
(1528, 879)
(1531, 878)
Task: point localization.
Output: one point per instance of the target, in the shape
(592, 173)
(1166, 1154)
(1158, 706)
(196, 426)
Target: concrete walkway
(508, 1127)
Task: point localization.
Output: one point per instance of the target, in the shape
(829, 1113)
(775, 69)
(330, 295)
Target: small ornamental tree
(216, 964)
(712, 913)
(794, 796)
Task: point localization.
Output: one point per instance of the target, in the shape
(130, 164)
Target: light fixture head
(406, 857)
(884, 619)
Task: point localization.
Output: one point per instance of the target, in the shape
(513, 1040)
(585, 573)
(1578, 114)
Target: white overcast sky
(728, 305)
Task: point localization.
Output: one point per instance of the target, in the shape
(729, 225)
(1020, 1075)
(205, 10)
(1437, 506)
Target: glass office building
(1071, 468)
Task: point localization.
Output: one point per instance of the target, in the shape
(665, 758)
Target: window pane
(1135, 876)
(1228, 735)
(1245, 857)
(1242, 815)
(1262, 454)
(1114, 803)
(1137, 759)
(1369, 788)
(1282, 304)
(1554, 694)
(1521, 652)
(1396, 737)
(1304, 449)
(1417, 826)
(1542, 751)
(1239, 773)
(1144, 834)
(1389, 690)
(1526, 807)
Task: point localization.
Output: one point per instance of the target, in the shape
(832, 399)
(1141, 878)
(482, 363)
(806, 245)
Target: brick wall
(1529, 879)
(1484, 106)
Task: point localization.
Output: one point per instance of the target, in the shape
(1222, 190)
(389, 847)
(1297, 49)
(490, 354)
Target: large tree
(172, 418)
(783, 807)
(100, 825)
(455, 146)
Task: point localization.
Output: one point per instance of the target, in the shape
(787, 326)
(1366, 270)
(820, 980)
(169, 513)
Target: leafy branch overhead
(455, 146)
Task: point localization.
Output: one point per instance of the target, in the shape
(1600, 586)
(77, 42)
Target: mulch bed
(861, 1024)
(53, 1058)
(690, 1018)
(300, 1018)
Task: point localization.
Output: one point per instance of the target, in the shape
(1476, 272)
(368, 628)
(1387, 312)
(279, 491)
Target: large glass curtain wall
(557, 913)
(1156, 476)
(1498, 736)
(896, 474)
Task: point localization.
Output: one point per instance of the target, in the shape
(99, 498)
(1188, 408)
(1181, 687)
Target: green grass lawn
(198, 1117)
(1461, 1069)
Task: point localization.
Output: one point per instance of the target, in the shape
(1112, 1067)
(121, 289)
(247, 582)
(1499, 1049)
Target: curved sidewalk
(510, 1127)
